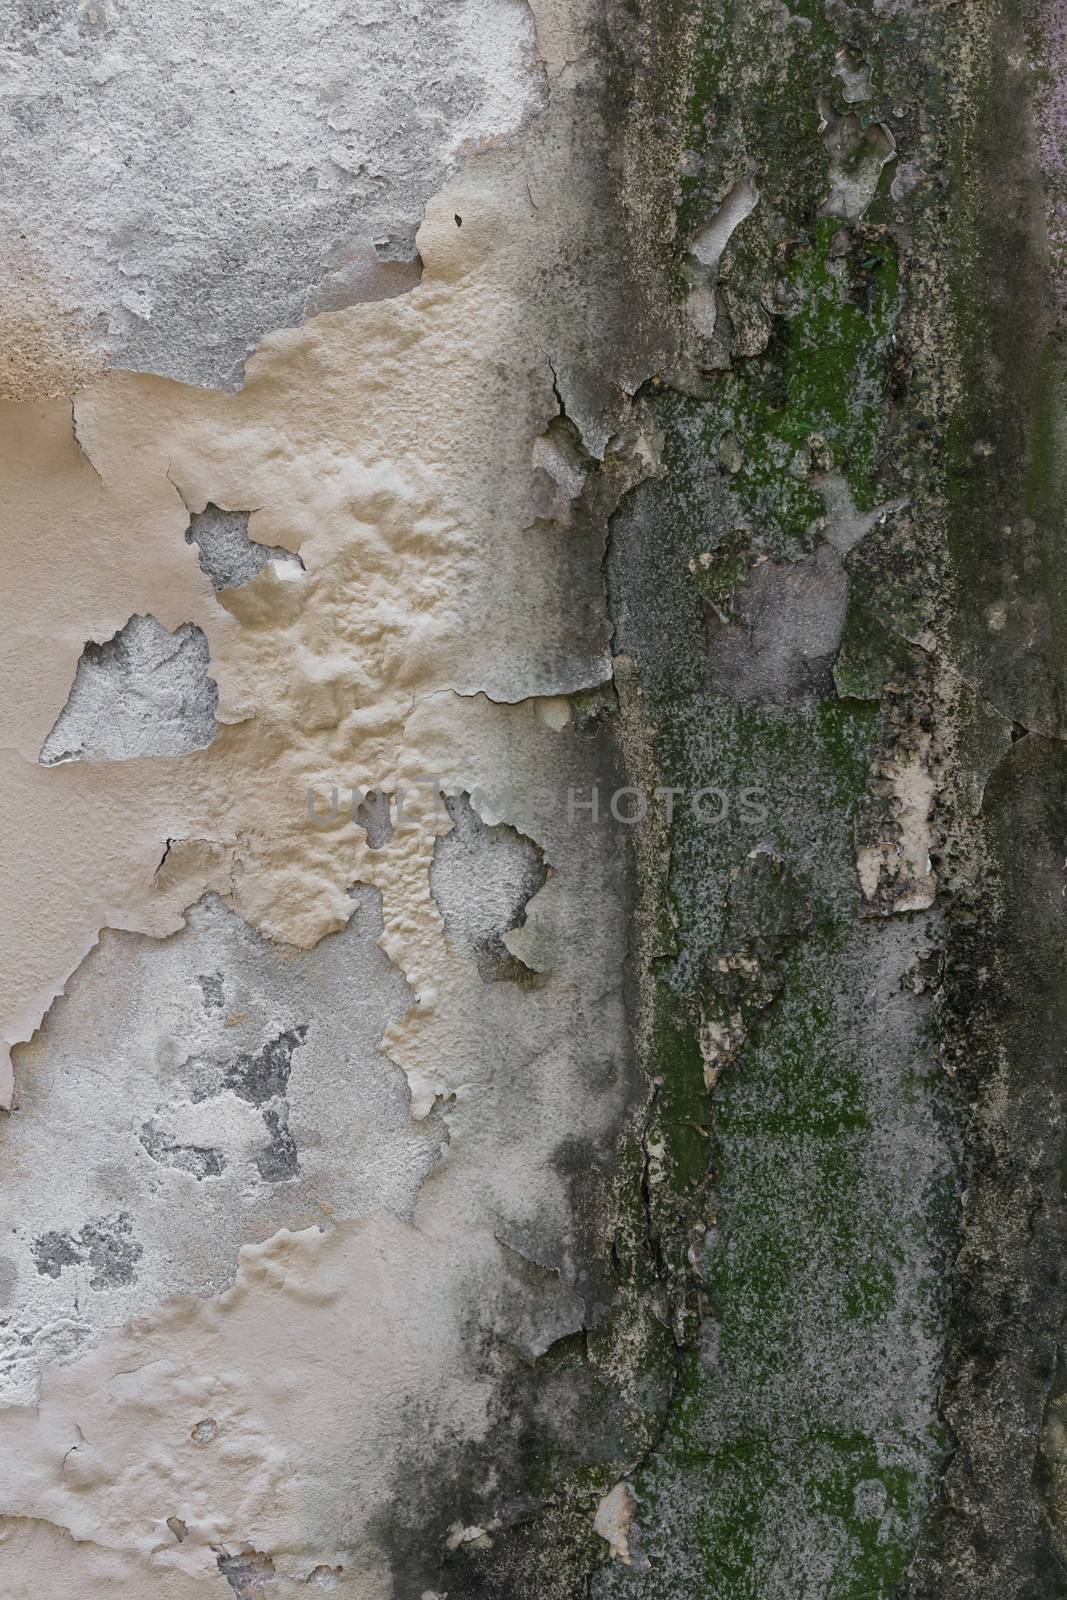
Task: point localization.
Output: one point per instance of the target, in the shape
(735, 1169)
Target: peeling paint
(422, 1182)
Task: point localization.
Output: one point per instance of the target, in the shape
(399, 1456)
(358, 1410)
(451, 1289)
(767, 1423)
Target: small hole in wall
(459, 219)
(204, 1431)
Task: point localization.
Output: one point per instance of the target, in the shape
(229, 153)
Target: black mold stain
(278, 1160)
(265, 1075)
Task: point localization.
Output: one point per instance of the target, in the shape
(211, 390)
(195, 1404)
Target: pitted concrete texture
(482, 878)
(146, 692)
(226, 553)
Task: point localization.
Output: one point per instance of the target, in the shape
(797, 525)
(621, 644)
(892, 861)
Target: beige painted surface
(442, 618)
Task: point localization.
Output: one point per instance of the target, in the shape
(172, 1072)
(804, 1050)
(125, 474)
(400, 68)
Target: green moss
(788, 1467)
(809, 1262)
(875, 1502)
(806, 1246)
(682, 1109)
(872, 653)
(807, 766)
(819, 388)
(782, 136)
(1044, 468)
(719, 573)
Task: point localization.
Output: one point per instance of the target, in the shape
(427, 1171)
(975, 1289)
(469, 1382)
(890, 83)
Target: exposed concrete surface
(202, 1049)
(482, 879)
(184, 177)
(357, 1073)
(228, 556)
(145, 692)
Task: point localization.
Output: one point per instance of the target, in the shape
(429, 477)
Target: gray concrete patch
(780, 644)
(482, 878)
(144, 692)
(191, 1107)
(226, 554)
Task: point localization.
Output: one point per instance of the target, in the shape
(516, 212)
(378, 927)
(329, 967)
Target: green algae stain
(782, 137)
(1043, 487)
(764, 1485)
(683, 1108)
(772, 1481)
(877, 1504)
(805, 768)
(856, 1505)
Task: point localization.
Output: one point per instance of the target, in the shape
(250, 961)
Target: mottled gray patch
(144, 692)
(264, 1075)
(226, 554)
(247, 1573)
(201, 1160)
(323, 1577)
(767, 904)
(562, 466)
(855, 74)
(482, 879)
(212, 990)
(54, 1251)
(278, 1160)
(261, 1079)
(845, 524)
(532, 1307)
(106, 1246)
(779, 643)
(140, 1022)
(364, 275)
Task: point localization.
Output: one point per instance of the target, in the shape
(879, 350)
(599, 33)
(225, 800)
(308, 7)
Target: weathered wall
(460, 1190)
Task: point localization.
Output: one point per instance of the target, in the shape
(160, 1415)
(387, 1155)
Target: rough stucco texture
(184, 177)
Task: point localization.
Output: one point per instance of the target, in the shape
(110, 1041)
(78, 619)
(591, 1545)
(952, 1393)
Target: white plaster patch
(707, 248)
(190, 175)
(737, 204)
(857, 152)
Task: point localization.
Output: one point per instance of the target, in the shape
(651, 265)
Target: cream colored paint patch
(30, 1546)
(349, 445)
(198, 1417)
(612, 1520)
(895, 872)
